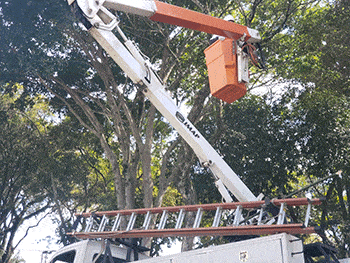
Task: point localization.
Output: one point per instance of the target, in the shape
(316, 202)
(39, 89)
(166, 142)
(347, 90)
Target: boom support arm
(136, 67)
(170, 14)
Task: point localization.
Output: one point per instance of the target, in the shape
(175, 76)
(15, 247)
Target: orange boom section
(222, 71)
(179, 16)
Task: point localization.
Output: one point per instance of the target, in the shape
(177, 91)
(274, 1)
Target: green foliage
(256, 143)
(315, 51)
(324, 141)
(326, 118)
(29, 29)
(39, 169)
(275, 147)
(23, 182)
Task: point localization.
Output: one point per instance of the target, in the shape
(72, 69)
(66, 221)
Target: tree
(316, 49)
(59, 59)
(35, 176)
(22, 196)
(260, 144)
(317, 59)
(324, 139)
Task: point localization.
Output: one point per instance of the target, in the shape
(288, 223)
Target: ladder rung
(131, 222)
(180, 219)
(163, 220)
(217, 216)
(147, 220)
(238, 215)
(261, 213)
(281, 215)
(104, 222)
(116, 224)
(89, 224)
(198, 219)
(307, 216)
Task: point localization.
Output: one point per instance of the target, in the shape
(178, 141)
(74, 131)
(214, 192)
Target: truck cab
(87, 251)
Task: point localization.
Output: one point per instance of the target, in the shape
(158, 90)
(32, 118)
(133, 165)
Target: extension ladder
(226, 219)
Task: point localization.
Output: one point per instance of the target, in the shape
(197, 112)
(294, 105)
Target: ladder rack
(237, 218)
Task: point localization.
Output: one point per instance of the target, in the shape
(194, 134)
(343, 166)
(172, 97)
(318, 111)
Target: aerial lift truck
(227, 61)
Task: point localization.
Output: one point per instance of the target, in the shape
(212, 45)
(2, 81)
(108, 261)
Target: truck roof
(85, 251)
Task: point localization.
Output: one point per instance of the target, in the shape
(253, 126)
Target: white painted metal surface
(255, 35)
(242, 66)
(118, 52)
(85, 251)
(137, 7)
(281, 248)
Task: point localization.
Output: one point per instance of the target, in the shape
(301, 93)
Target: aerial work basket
(223, 71)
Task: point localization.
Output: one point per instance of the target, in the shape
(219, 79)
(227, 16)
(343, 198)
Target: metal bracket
(99, 16)
(90, 7)
(242, 65)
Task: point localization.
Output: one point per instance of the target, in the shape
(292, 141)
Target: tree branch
(30, 227)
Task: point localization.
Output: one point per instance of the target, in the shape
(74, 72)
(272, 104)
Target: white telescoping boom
(100, 22)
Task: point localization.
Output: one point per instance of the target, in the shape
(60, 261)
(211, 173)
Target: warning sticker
(243, 256)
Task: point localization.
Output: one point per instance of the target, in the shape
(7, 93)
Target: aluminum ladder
(225, 219)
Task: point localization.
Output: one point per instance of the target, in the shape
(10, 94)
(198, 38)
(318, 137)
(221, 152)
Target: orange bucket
(222, 71)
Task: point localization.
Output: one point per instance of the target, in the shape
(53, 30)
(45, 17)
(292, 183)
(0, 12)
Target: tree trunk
(119, 184)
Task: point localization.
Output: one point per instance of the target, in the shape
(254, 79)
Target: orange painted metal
(292, 229)
(222, 70)
(221, 60)
(183, 17)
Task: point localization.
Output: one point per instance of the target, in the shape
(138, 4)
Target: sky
(39, 239)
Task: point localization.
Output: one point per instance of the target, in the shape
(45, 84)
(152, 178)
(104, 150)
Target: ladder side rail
(175, 209)
(208, 231)
(297, 201)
